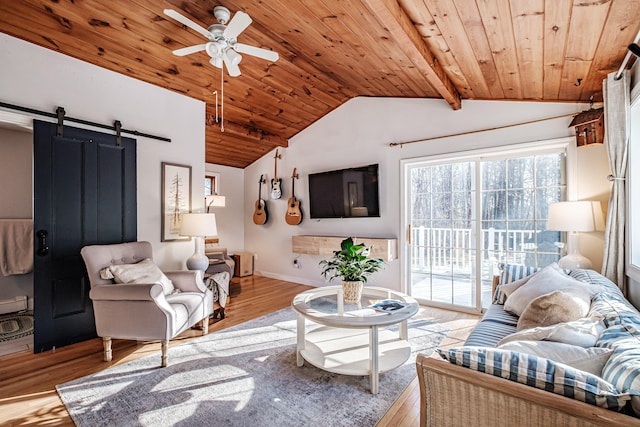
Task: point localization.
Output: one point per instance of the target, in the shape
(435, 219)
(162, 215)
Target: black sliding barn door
(85, 193)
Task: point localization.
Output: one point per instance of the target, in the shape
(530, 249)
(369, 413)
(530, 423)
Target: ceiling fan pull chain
(215, 92)
(222, 103)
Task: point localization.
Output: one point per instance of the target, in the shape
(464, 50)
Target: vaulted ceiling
(334, 50)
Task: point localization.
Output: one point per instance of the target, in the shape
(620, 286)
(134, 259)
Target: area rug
(241, 376)
(14, 326)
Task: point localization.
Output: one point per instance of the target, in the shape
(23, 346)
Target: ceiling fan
(222, 47)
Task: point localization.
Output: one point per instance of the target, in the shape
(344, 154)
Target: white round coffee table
(349, 342)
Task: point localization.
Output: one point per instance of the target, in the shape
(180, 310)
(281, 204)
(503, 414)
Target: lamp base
(574, 261)
(198, 261)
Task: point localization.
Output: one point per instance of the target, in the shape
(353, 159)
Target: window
(211, 184)
(468, 213)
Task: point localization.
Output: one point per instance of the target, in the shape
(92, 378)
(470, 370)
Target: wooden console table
(387, 249)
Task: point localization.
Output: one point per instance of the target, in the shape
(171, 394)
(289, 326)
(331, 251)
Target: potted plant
(353, 265)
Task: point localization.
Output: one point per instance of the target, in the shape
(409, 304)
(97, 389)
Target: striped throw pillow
(510, 273)
(540, 373)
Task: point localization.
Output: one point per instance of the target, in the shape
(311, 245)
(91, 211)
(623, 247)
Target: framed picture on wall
(176, 199)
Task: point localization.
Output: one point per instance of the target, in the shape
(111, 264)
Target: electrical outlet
(296, 263)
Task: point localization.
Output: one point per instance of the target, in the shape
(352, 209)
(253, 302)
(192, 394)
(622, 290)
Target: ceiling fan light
(234, 57)
(216, 62)
(212, 49)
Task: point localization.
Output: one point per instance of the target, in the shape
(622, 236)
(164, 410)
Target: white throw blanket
(16, 246)
(221, 290)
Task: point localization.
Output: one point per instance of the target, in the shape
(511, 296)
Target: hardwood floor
(27, 381)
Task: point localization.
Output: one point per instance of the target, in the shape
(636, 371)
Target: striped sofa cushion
(623, 336)
(540, 373)
(615, 310)
(495, 325)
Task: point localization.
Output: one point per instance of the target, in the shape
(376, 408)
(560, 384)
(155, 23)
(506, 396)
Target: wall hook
(579, 83)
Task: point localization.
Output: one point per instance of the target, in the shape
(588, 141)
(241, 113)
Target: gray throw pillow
(143, 272)
(547, 280)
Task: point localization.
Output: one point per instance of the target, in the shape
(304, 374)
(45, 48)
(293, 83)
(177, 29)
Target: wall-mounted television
(344, 193)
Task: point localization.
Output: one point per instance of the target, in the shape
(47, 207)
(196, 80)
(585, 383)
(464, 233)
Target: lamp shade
(582, 216)
(199, 224)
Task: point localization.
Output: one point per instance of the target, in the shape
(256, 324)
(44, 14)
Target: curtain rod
(395, 144)
(627, 57)
(81, 121)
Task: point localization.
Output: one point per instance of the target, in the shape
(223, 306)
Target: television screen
(344, 193)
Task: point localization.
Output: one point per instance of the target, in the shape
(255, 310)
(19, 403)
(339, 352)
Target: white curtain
(617, 105)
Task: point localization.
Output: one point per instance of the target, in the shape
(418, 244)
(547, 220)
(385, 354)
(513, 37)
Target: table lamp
(575, 217)
(198, 226)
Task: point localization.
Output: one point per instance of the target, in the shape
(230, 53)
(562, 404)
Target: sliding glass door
(466, 215)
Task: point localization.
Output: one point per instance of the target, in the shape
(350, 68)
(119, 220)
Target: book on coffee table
(388, 305)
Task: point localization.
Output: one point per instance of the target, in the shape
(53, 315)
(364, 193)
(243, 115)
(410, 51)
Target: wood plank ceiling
(334, 50)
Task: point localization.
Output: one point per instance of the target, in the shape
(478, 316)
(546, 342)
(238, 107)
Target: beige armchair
(142, 311)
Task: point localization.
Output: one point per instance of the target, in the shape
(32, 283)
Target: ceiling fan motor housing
(222, 14)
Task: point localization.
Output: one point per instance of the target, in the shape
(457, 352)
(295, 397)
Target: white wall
(230, 219)
(39, 78)
(359, 133)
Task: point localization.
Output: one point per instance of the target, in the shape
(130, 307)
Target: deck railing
(447, 249)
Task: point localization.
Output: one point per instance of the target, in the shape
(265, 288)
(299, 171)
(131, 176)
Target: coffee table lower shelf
(348, 351)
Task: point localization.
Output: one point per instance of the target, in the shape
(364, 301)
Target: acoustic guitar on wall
(276, 183)
(294, 212)
(260, 215)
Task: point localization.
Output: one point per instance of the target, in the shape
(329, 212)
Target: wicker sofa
(463, 392)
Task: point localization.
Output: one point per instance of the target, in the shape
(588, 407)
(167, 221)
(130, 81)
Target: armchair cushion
(142, 272)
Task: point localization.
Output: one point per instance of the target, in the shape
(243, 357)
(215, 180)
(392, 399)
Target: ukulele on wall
(276, 183)
(260, 215)
(294, 213)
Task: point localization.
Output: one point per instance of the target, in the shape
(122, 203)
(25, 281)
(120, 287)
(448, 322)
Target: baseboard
(293, 279)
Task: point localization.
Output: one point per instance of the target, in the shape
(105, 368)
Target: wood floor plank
(27, 380)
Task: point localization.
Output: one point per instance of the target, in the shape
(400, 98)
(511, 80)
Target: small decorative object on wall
(176, 199)
(589, 126)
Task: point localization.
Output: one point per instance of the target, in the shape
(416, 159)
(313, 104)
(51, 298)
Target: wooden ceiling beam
(247, 131)
(394, 18)
(255, 134)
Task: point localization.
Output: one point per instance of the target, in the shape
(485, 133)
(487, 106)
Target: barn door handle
(43, 249)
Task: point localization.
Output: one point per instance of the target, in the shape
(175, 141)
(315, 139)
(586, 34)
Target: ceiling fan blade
(269, 55)
(189, 50)
(232, 68)
(238, 24)
(188, 22)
